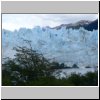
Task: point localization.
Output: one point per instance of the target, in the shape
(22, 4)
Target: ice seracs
(70, 44)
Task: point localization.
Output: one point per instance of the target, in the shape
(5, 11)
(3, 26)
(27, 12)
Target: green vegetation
(30, 68)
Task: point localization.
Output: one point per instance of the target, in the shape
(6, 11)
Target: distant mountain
(75, 43)
(89, 25)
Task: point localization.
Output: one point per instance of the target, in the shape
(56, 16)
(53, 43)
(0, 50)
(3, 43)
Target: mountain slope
(88, 25)
(92, 25)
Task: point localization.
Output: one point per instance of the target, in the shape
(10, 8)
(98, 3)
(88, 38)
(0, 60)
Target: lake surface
(67, 72)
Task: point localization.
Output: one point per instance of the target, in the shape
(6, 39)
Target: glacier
(69, 46)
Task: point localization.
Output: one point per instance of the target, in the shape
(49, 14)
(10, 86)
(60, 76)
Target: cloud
(16, 21)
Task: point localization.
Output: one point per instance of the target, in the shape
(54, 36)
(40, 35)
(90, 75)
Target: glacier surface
(69, 46)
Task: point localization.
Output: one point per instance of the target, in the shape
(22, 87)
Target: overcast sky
(16, 21)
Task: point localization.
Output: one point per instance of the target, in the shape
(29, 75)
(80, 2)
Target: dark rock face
(93, 25)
